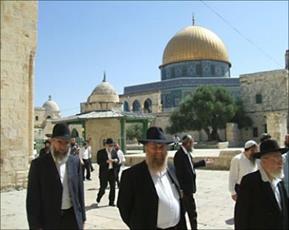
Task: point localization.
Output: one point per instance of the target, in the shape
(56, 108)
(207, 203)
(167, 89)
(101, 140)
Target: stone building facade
(18, 46)
(265, 97)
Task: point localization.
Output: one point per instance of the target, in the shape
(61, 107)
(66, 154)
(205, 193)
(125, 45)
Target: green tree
(134, 131)
(209, 108)
(240, 116)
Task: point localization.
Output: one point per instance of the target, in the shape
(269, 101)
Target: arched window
(126, 106)
(48, 117)
(74, 133)
(148, 106)
(136, 106)
(36, 118)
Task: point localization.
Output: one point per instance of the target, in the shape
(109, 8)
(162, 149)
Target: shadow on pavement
(94, 206)
(230, 221)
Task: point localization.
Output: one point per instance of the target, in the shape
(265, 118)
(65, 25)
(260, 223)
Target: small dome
(104, 92)
(195, 43)
(51, 106)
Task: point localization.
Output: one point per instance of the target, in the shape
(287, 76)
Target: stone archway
(148, 106)
(136, 106)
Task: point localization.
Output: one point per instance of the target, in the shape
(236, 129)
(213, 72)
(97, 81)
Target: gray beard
(156, 166)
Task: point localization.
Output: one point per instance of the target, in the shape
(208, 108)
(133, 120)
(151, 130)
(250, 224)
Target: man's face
(60, 147)
(273, 163)
(252, 151)
(73, 141)
(47, 145)
(156, 155)
(109, 147)
(189, 145)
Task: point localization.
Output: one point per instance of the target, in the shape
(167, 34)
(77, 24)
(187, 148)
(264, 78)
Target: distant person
(286, 164)
(85, 159)
(46, 149)
(241, 165)
(264, 137)
(90, 155)
(107, 160)
(186, 174)
(55, 196)
(149, 193)
(262, 202)
(176, 142)
(74, 147)
(121, 161)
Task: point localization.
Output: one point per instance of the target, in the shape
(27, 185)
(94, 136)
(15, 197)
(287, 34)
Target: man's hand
(234, 197)
(209, 161)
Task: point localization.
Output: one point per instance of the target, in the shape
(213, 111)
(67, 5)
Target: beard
(277, 174)
(59, 156)
(156, 163)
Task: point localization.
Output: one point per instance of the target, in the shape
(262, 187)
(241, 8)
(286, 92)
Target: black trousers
(190, 207)
(90, 164)
(86, 167)
(68, 220)
(117, 170)
(104, 179)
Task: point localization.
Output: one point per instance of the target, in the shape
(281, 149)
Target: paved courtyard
(215, 207)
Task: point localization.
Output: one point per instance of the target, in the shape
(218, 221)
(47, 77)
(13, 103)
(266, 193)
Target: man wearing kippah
(241, 165)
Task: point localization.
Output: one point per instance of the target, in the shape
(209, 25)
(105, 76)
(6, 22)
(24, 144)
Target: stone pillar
(18, 45)
(232, 134)
(276, 125)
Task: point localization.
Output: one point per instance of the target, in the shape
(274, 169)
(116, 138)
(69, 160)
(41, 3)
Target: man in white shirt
(84, 154)
(241, 165)
(149, 194)
(121, 160)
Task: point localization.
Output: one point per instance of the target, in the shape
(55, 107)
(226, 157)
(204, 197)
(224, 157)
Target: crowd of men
(154, 194)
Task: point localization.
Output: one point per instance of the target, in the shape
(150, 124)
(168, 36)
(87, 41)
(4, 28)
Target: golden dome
(195, 43)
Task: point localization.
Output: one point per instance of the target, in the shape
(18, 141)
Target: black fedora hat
(156, 135)
(269, 146)
(61, 130)
(109, 141)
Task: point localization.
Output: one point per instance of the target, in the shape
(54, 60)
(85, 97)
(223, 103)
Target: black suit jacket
(101, 159)
(44, 193)
(138, 199)
(256, 205)
(185, 174)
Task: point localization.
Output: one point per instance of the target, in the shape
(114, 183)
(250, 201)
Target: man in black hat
(55, 197)
(107, 160)
(149, 194)
(262, 201)
(46, 149)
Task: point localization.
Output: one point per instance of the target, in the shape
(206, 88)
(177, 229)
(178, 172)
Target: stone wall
(18, 45)
(154, 96)
(101, 129)
(265, 97)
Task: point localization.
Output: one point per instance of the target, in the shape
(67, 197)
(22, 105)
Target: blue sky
(79, 40)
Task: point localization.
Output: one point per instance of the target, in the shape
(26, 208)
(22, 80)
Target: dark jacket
(101, 159)
(256, 205)
(44, 192)
(138, 199)
(185, 174)
(42, 152)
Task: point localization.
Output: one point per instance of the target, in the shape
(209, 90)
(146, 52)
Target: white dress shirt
(85, 153)
(110, 166)
(61, 168)
(240, 166)
(120, 156)
(89, 151)
(169, 210)
(273, 184)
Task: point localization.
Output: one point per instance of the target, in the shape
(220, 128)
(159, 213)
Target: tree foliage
(209, 108)
(134, 132)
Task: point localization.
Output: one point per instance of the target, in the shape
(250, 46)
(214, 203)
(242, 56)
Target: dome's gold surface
(195, 43)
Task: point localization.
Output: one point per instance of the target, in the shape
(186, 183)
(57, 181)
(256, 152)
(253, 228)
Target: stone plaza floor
(214, 205)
